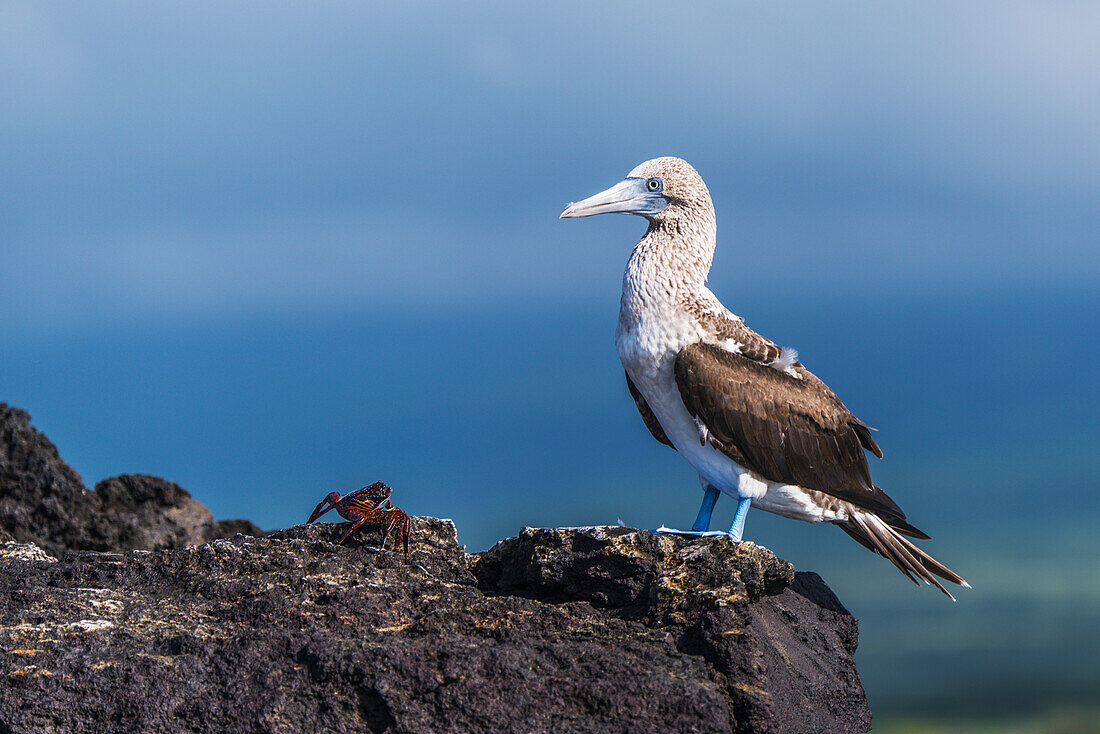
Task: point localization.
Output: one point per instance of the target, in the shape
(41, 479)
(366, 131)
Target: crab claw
(331, 499)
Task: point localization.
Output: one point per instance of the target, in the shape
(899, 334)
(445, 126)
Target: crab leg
(354, 526)
(401, 524)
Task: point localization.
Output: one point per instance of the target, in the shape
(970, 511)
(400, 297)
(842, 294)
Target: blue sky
(221, 160)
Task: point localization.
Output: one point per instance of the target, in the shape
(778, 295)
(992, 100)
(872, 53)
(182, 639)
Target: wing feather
(785, 428)
(648, 417)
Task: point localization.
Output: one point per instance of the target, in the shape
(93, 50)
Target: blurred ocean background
(267, 251)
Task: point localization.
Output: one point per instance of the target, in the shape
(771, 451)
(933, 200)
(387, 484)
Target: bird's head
(661, 189)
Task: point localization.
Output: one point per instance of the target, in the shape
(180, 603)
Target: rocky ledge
(44, 501)
(579, 629)
(120, 610)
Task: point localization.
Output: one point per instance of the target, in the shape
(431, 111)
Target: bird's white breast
(648, 343)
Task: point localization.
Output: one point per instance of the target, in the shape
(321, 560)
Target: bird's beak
(629, 196)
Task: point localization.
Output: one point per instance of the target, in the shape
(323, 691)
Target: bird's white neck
(669, 264)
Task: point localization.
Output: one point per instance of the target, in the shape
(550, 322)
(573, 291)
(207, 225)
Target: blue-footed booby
(744, 412)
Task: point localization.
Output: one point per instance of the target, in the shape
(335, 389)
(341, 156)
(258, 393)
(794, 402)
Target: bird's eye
(653, 184)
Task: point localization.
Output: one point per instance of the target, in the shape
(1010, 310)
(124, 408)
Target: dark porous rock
(779, 642)
(44, 501)
(586, 630)
(151, 513)
(434, 547)
(229, 528)
(641, 573)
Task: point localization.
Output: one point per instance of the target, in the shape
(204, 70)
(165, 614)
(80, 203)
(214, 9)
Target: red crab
(368, 506)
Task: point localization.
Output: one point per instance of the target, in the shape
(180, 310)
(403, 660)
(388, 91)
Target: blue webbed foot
(702, 522)
(697, 533)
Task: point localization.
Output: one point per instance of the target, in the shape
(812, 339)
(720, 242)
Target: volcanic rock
(568, 630)
(119, 610)
(44, 501)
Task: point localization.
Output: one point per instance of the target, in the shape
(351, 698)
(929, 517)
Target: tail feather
(883, 546)
(905, 528)
(914, 565)
(878, 535)
(935, 566)
(857, 535)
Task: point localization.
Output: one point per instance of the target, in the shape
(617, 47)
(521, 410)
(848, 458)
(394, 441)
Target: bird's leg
(702, 522)
(710, 497)
(737, 527)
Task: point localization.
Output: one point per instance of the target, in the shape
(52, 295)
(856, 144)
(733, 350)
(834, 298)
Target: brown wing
(648, 418)
(785, 429)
